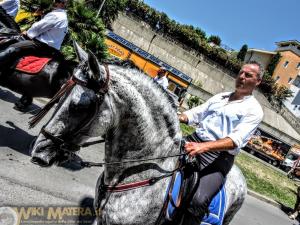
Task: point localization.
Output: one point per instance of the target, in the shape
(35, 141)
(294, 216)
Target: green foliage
(110, 9)
(274, 92)
(198, 83)
(242, 53)
(267, 181)
(214, 39)
(186, 129)
(194, 101)
(186, 34)
(280, 94)
(274, 61)
(267, 84)
(86, 29)
(36, 5)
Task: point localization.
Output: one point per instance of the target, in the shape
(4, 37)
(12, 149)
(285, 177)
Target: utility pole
(100, 8)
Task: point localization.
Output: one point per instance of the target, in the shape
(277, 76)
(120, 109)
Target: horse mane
(127, 63)
(8, 21)
(147, 99)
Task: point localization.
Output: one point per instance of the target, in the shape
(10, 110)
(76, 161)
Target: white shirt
(11, 7)
(163, 81)
(219, 118)
(52, 29)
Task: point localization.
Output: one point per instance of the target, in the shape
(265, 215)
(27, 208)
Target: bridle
(100, 90)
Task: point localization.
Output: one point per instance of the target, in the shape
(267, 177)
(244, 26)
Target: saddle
(181, 193)
(32, 64)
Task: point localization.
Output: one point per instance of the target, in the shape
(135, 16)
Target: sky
(257, 23)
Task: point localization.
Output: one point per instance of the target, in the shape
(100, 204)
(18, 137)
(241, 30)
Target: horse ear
(94, 65)
(81, 54)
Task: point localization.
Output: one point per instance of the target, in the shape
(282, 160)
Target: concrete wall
(213, 77)
(263, 58)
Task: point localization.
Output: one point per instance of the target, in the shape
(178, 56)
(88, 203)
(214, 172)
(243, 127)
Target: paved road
(24, 184)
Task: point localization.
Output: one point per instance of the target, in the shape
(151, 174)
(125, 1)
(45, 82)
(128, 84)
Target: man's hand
(195, 148)
(183, 118)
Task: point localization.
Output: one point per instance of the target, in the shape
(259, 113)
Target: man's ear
(259, 80)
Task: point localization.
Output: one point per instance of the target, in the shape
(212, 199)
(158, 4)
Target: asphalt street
(23, 184)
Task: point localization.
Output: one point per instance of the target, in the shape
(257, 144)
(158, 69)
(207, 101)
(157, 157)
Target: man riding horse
(44, 38)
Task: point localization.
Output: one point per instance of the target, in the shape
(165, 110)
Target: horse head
(75, 111)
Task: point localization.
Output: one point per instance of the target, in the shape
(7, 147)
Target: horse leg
(23, 103)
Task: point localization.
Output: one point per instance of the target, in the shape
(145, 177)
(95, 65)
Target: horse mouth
(41, 162)
(45, 157)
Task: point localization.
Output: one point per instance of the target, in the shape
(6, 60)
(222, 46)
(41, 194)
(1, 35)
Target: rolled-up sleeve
(241, 134)
(45, 24)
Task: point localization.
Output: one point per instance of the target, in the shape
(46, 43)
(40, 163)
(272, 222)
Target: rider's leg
(210, 183)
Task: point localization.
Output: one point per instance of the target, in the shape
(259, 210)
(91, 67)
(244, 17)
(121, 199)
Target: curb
(264, 198)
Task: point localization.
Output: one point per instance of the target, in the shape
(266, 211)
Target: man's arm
(45, 24)
(195, 148)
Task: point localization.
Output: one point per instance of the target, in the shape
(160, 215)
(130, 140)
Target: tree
(85, 28)
(110, 10)
(242, 53)
(272, 65)
(214, 39)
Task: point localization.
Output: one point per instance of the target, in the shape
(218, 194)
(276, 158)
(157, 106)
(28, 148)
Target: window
(290, 80)
(298, 66)
(285, 64)
(297, 81)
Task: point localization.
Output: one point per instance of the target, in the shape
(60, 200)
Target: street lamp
(100, 8)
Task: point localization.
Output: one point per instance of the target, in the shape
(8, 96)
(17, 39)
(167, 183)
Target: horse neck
(145, 126)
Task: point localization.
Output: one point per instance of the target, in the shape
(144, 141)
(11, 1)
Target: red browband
(129, 186)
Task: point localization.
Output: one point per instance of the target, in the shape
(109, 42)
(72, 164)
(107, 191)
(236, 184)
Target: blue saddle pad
(216, 207)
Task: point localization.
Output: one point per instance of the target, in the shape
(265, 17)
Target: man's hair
(60, 1)
(260, 68)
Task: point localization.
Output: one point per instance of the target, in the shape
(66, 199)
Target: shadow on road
(9, 96)
(73, 163)
(87, 204)
(15, 138)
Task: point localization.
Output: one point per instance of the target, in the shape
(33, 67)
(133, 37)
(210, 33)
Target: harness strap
(37, 118)
(163, 211)
(134, 185)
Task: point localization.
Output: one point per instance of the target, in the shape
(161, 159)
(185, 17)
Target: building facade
(288, 67)
(258, 55)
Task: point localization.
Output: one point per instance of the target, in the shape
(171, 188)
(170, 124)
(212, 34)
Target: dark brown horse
(44, 84)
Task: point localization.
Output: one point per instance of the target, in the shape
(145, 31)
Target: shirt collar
(227, 95)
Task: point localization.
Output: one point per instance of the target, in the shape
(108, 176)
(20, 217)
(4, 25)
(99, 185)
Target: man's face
(247, 79)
